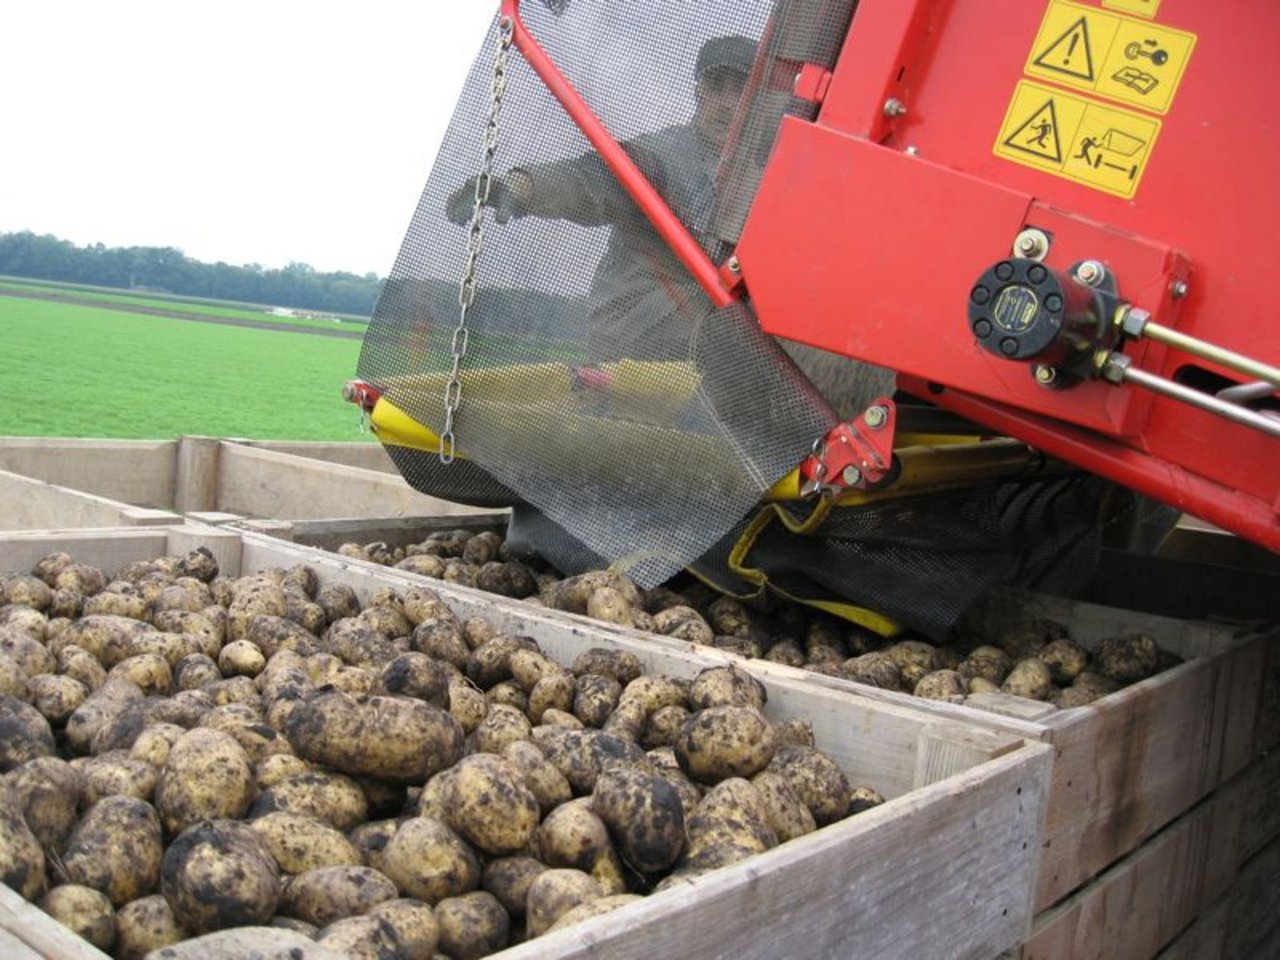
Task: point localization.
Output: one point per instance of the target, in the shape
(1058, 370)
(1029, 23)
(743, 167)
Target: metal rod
(1216, 354)
(1205, 401)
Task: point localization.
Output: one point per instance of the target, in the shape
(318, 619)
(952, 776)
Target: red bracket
(853, 455)
(812, 83)
(362, 394)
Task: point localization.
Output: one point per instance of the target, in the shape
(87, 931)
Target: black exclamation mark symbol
(1071, 49)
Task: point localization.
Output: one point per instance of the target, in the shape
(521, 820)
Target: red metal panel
(869, 230)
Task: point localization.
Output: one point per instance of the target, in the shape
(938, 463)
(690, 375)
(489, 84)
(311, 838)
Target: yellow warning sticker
(1132, 61)
(1094, 144)
(1143, 8)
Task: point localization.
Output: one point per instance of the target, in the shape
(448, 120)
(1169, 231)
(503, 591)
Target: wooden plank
(394, 531)
(1205, 939)
(137, 472)
(34, 931)
(1255, 905)
(947, 748)
(897, 880)
(1261, 818)
(108, 549)
(195, 482)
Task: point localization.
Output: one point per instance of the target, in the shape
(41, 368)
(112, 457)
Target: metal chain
(475, 238)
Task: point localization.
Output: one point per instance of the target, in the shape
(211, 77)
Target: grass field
(78, 371)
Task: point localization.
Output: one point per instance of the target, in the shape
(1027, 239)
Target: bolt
(893, 107)
(1032, 244)
(851, 475)
(1045, 375)
(913, 151)
(1178, 289)
(733, 265)
(1090, 273)
(875, 417)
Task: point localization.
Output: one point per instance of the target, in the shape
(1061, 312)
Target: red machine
(1047, 217)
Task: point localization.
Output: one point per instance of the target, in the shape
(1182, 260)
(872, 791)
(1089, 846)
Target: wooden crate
(1125, 766)
(944, 868)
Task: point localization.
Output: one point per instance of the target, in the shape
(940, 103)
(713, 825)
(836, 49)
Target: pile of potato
(184, 753)
(1036, 660)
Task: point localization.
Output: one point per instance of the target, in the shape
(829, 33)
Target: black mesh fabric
(600, 387)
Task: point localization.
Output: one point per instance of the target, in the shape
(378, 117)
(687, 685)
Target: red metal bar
(633, 181)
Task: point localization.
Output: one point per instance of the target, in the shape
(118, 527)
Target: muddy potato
(864, 798)
(490, 662)
(115, 773)
(654, 691)
(627, 722)
(1029, 678)
(728, 825)
(388, 738)
(1073, 696)
(460, 572)
(818, 780)
(207, 776)
(1127, 659)
(428, 861)
(207, 628)
(219, 874)
(467, 705)
(324, 895)
(416, 675)
(572, 835)
(581, 754)
(21, 589)
(644, 815)
(370, 839)
(22, 860)
(105, 636)
(722, 742)
(663, 726)
(14, 681)
(47, 791)
(786, 651)
(472, 925)
(184, 708)
(413, 926)
(509, 879)
(490, 806)
(28, 653)
(116, 848)
(594, 908)
(621, 665)
(150, 672)
(154, 743)
(508, 693)
(552, 692)
(132, 606)
(24, 733)
(442, 639)
(595, 698)
(942, 685)
(502, 725)
(876, 669)
(271, 634)
(553, 717)
(241, 658)
(254, 598)
(794, 731)
(683, 623)
(609, 605)
(57, 697)
(552, 893)
(331, 797)
(1066, 660)
(300, 843)
(982, 685)
(785, 810)
(85, 911)
(988, 662)
(1028, 638)
(359, 645)
(726, 686)
(144, 925)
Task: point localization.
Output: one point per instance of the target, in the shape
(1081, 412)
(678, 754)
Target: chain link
(475, 238)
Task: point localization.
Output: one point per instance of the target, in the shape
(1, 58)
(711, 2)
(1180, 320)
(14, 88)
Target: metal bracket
(853, 455)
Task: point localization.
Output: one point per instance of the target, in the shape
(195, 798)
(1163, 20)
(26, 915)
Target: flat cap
(732, 52)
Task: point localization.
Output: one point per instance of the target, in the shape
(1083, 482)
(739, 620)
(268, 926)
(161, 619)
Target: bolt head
(851, 475)
(734, 265)
(1090, 273)
(1045, 375)
(1178, 289)
(875, 417)
(893, 107)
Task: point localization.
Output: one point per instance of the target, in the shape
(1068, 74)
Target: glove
(502, 200)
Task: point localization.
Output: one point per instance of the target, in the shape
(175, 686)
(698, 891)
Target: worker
(644, 303)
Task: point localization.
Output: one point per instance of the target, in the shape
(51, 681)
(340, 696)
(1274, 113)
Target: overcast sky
(267, 131)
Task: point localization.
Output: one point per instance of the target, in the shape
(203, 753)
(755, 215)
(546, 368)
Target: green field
(79, 371)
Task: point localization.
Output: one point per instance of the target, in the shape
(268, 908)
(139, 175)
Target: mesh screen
(600, 387)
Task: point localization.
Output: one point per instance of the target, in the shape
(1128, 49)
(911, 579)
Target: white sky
(262, 131)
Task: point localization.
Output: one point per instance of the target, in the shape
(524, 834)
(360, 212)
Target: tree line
(169, 270)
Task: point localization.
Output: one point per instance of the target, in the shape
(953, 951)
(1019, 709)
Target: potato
(1065, 660)
(77, 663)
(1028, 638)
(794, 731)
(1127, 659)
(47, 791)
(1030, 679)
(876, 669)
(370, 839)
(338, 600)
(786, 651)
(389, 738)
(103, 705)
(14, 681)
(730, 824)
(552, 692)
(472, 925)
(57, 697)
(354, 938)
(326, 894)
(207, 776)
(553, 893)
(154, 743)
(509, 878)
(548, 785)
(490, 805)
(83, 910)
(593, 908)
(982, 685)
(428, 861)
(864, 798)
(942, 685)
(219, 874)
(254, 598)
(722, 742)
(331, 797)
(467, 705)
(581, 754)
(24, 733)
(358, 645)
(990, 663)
(116, 848)
(785, 810)
(595, 698)
(26, 620)
(442, 639)
(644, 815)
(572, 835)
(508, 693)
(27, 591)
(502, 725)
(144, 925)
(609, 605)
(818, 780)
(299, 843)
(149, 671)
(683, 623)
(115, 773)
(29, 654)
(241, 658)
(726, 686)
(416, 675)
(621, 665)
(424, 565)
(21, 858)
(132, 606)
(490, 662)
(413, 926)
(663, 726)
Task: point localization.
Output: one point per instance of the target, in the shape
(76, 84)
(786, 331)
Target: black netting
(600, 387)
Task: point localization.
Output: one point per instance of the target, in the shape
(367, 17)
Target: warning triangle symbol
(1071, 53)
(1038, 134)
